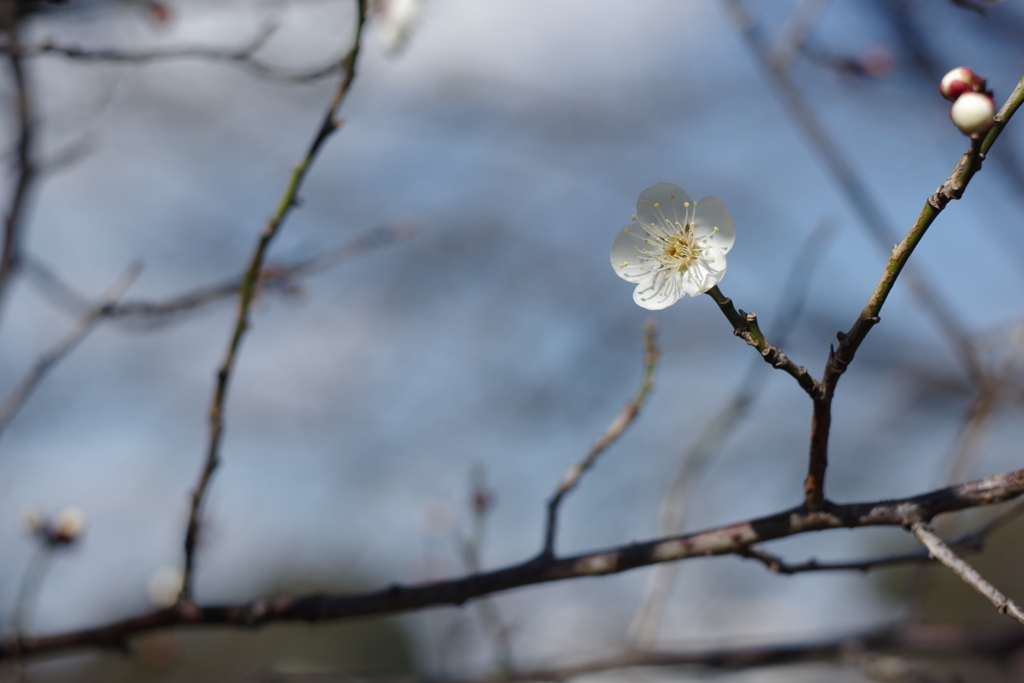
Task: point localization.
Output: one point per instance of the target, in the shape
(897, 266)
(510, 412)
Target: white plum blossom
(398, 19)
(674, 246)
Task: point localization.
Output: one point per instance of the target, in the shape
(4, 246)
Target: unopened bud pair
(64, 528)
(973, 110)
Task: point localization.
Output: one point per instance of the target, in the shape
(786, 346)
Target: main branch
(725, 540)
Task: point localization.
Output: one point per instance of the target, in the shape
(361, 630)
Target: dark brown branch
(248, 288)
(16, 207)
(780, 566)
(614, 430)
(744, 325)
(970, 542)
(82, 327)
(726, 540)
(243, 57)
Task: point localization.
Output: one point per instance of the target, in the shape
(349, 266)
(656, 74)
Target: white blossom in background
(68, 524)
(398, 19)
(164, 586)
(674, 246)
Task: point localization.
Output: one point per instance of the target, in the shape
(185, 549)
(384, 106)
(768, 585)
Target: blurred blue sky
(517, 135)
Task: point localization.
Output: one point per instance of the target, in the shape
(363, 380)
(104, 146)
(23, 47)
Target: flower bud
(958, 81)
(973, 113)
(67, 525)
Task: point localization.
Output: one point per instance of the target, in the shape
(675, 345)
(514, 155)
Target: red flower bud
(958, 81)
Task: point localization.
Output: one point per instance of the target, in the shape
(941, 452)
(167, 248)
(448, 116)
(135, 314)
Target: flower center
(679, 250)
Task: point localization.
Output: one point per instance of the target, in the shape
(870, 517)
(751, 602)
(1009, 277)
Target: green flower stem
(952, 189)
(745, 325)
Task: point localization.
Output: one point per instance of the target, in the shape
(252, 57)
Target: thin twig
(272, 276)
(28, 590)
(970, 542)
(471, 548)
(85, 324)
(15, 217)
(726, 540)
(745, 326)
(248, 289)
(942, 552)
(971, 437)
(840, 357)
(796, 32)
(613, 432)
(243, 57)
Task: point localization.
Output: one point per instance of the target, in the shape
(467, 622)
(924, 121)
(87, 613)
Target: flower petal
(628, 259)
(659, 290)
(670, 200)
(710, 214)
(706, 272)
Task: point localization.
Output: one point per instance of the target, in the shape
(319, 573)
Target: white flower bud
(68, 524)
(973, 113)
(958, 81)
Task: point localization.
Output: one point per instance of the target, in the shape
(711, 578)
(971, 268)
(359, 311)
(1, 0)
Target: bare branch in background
(859, 649)
(26, 171)
(248, 288)
(726, 540)
(944, 554)
(82, 327)
(273, 277)
(242, 57)
(614, 431)
(796, 32)
(470, 547)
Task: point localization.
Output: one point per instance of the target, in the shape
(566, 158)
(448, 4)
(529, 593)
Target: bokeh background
(496, 343)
